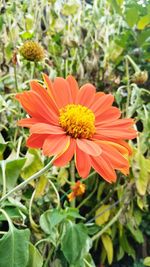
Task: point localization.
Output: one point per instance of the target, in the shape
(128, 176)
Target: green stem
(128, 85)
(15, 76)
(114, 219)
(46, 264)
(27, 181)
(33, 68)
(88, 197)
(136, 68)
(57, 194)
(3, 177)
(8, 219)
(32, 222)
(72, 175)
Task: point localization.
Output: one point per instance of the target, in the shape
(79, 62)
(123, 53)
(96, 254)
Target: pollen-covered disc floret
(77, 120)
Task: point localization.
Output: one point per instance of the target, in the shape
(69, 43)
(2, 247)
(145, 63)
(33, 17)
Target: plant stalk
(114, 219)
(27, 181)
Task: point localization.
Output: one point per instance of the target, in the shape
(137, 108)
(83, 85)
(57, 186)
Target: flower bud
(32, 51)
(140, 77)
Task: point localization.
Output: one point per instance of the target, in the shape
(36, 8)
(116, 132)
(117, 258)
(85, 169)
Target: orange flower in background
(67, 121)
(77, 190)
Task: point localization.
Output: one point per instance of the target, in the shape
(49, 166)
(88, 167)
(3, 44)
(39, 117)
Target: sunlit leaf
(70, 8)
(108, 245)
(143, 22)
(34, 164)
(141, 172)
(103, 214)
(147, 261)
(12, 170)
(132, 16)
(35, 258)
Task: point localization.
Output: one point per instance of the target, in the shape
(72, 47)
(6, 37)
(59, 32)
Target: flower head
(66, 121)
(140, 77)
(32, 51)
(77, 190)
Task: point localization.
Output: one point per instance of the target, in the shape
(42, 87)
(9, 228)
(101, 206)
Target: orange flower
(67, 121)
(77, 190)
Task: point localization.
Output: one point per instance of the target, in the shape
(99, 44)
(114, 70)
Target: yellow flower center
(77, 120)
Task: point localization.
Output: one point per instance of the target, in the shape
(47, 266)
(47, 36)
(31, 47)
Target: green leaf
(88, 261)
(70, 8)
(141, 172)
(132, 16)
(143, 22)
(147, 261)
(120, 253)
(32, 165)
(75, 242)
(143, 36)
(1, 22)
(14, 250)
(136, 233)
(12, 212)
(108, 245)
(56, 263)
(35, 258)
(50, 219)
(12, 171)
(126, 245)
(117, 6)
(26, 35)
(63, 176)
(103, 215)
(114, 51)
(3, 145)
(29, 21)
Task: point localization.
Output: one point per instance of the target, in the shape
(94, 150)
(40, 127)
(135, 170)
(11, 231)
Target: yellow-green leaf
(32, 165)
(103, 214)
(141, 172)
(147, 261)
(63, 176)
(143, 22)
(108, 245)
(41, 185)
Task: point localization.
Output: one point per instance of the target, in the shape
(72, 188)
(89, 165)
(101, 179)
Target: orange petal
(115, 157)
(125, 145)
(98, 95)
(40, 90)
(82, 161)
(116, 133)
(120, 123)
(55, 144)
(65, 157)
(73, 87)
(49, 86)
(89, 147)
(28, 122)
(112, 114)
(62, 92)
(36, 107)
(102, 104)
(86, 95)
(117, 145)
(103, 168)
(44, 128)
(36, 140)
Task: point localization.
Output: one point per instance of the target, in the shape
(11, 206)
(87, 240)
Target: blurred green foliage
(96, 41)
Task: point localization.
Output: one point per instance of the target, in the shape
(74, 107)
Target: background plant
(106, 43)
